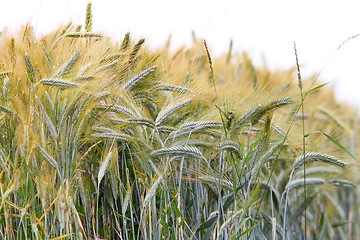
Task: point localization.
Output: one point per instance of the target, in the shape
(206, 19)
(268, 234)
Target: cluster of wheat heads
(104, 140)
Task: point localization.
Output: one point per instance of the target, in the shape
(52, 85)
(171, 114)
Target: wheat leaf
(315, 88)
(209, 222)
(334, 141)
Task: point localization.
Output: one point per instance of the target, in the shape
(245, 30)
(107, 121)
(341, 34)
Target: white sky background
(264, 28)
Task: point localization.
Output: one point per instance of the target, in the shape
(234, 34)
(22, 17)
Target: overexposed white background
(264, 28)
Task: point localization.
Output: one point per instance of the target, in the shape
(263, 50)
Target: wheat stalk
(75, 213)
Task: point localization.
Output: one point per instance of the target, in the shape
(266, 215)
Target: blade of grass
(334, 141)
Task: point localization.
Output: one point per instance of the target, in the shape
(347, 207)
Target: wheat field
(113, 140)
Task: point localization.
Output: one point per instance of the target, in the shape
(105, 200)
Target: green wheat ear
(88, 20)
(314, 156)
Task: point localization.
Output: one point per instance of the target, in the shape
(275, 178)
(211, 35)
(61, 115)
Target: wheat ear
(55, 82)
(68, 65)
(6, 110)
(169, 110)
(83, 35)
(133, 81)
(111, 135)
(300, 182)
(125, 42)
(29, 68)
(88, 19)
(314, 156)
(189, 151)
(117, 108)
(5, 74)
(136, 50)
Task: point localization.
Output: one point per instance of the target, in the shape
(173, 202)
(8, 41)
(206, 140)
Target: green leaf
(339, 145)
(339, 224)
(176, 210)
(334, 141)
(315, 88)
(209, 222)
(312, 132)
(247, 230)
